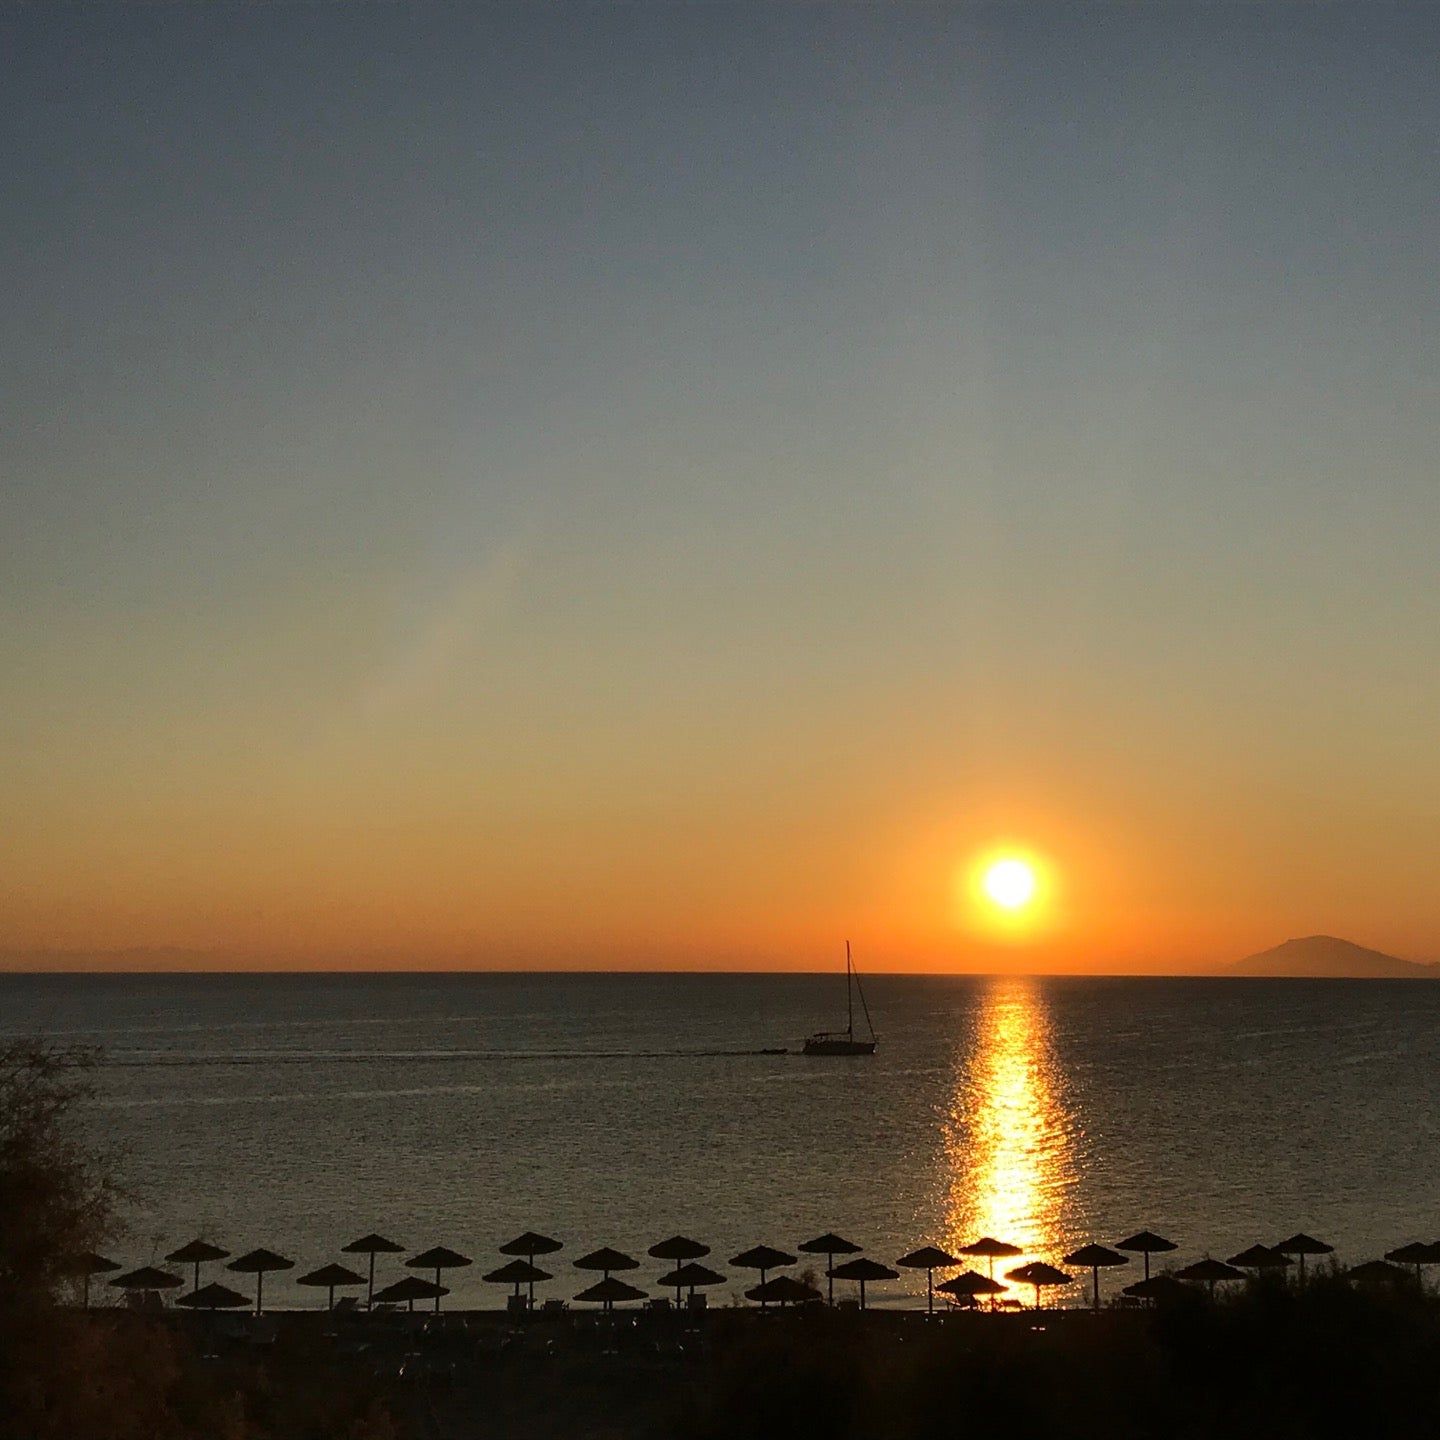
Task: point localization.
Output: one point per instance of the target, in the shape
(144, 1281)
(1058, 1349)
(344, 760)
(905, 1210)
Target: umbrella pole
(259, 1289)
(331, 1304)
(370, 1291)
(1147, 1264)
(929, 1291)
(437, 1288)
(196, 1284)
(87, 1285)
(762, 1286)
(862, 1294)
(830, 1279)
(1095, 1283)
(531, 1259)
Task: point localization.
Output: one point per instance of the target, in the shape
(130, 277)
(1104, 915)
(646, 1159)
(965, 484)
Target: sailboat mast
(849, 1001)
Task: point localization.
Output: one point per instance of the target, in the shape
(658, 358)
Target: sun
(1008, 893)
(1010, 883)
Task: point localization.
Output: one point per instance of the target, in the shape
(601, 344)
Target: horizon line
(1223, 971)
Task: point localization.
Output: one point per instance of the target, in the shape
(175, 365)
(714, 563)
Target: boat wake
(142, 1060)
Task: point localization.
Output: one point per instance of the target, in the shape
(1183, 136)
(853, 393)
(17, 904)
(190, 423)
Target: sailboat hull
(843, 1042)
(837, 1045)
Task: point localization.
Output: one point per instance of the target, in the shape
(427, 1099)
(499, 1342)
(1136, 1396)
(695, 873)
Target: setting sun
(1007, 893)
(1010, 884)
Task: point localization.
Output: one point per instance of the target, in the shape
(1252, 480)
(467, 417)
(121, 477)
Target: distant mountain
(1324, 957)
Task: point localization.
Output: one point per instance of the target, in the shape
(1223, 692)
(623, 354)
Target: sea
(298, 1112)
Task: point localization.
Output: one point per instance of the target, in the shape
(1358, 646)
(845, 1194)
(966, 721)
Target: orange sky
(635, 489)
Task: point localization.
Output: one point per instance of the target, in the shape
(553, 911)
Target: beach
(1259, 1363)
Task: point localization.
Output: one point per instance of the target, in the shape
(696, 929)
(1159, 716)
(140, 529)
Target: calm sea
(300, 1112)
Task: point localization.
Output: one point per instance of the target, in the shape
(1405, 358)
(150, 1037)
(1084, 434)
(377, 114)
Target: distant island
(1326, 957)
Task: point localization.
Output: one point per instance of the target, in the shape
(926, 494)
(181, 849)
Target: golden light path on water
(1008, 1136)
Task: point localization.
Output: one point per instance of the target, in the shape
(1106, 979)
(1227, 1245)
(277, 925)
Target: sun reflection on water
(1008, 1136)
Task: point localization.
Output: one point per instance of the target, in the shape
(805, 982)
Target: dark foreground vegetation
(1331, 1361)
(1335, 1358)
(66, 1374)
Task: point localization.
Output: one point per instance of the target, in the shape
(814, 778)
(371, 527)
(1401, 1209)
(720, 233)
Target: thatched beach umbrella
(970, 1286)
(762, 1258)
(438, 1258)
(409, 1290)
(1417, 1253)
(679, 1247)
(1158, 1287)
(1039, 1274)
(1261, 1259)
(1093, 1258)
(992, 1250)
(147, 1277)
(783, 1290)
(605, 1260)
(1375, 1272)
(257, 1263)
(829, 1245)
(371, 1245)
(328, 1277)
(928, 1258)
(85, 1265)
(529, 1245)
(1146, 1243)
(1302, 1245)
(864, 1271)
(1209, 1272)
(689, 1277)
(610, 1292)
(518, 1273)
(214, 1297)
(197, 1253)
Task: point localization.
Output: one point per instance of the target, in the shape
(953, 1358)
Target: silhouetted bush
(115, 1375)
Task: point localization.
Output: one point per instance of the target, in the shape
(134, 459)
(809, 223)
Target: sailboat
(843, 1042)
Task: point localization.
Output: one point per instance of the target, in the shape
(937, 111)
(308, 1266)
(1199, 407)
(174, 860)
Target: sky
(678, 486)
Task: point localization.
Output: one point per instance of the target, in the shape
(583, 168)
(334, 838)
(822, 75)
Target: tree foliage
(57, 1198)
(68, 1374)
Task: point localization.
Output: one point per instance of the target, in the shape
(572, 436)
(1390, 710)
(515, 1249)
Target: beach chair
(697, 1304)
(517, 1306)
